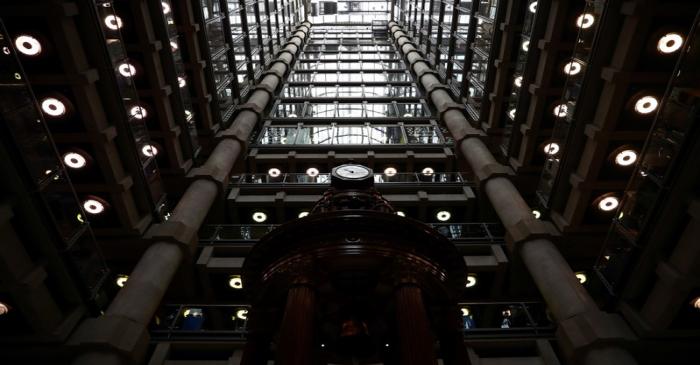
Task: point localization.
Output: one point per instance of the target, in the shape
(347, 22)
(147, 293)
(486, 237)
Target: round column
(415, 338)
(296, 338)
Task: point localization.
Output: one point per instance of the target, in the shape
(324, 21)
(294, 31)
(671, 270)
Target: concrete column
(415, 338)
(296, 338)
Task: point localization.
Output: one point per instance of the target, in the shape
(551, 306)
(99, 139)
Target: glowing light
(4, 308)
(113, 22)
(390, 171)
(93, 206)
(407, 115)
(174, 46)
(74, 160)
(609, 203)
(696, 303)
(188, 114)
(312, 171)
(121, 280)
(518, 81)
(400, 213)
(560, 110)
(181, 81)
(149, 150)
(193, 312)
(274, 172)
(126, 69)
(259, 217)
(471, 281)
(465, 311)
(646, 104)
(27, 45)
(166, 7)
(235, 282)
(525, 46)
(428, 171)
(533, 7)
(537, 214)
(138, 112)
(53, 107)
(572, 68)
(511, 114)
(669, 43)
(585, 21)
(582, 278)
(443, 216)
(79, 218)
(551, 149)
(303, 214)
(292, 115)
(242, 314)
(626, 158)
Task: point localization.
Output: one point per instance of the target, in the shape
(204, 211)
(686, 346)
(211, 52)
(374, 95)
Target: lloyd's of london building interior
(308, 182)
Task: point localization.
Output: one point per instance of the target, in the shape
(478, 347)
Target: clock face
(353, 171)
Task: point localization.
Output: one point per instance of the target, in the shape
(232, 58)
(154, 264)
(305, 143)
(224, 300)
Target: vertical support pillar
(296, 343)
(415, 339)
(452, 339)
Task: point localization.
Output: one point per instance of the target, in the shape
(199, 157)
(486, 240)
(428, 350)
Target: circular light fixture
(511, 114)
(551, 149)
(4, 308)
(188, 114)
(533, 7)
(303, 214)
(572, 68)
(259, 217)
(696, 303)
(79, 218)
(471, 281)
(181, 81)
(235, 282)
(443, 216)
(646, 104)
(626, 158)
(126, 69)
(138, 112)
(149, 150)
(390, 171)
(274, 172)
(292, 115)
(113, 22)
(166, 7)
(53, 107)
(407, 115)
(669, 43)
(560, 110)
(400, 213)
(428, 171)
(581, 276)
(74, 160)
(28, 45)
(121, 280)
(518, 81)
(312, 171)
(465, 311)
(536, 213)
(585, 21)
(93, 206)
(193, 312)
(242, 314)
(608, 203)
(525, 46)
(173, 46)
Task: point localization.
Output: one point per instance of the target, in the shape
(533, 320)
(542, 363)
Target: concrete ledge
(582, 333)
(118, 336)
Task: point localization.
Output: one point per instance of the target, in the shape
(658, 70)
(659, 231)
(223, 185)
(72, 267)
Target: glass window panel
(321, 135)
(351, 110)
(377, 91)
(323, 91)
(356, 135)
(295, 91)
(386, 135)
(289, 110)
(381, 110)
(279, 135)
(350, 91)
(422, 134)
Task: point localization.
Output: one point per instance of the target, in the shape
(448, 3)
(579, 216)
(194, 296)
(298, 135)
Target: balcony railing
(325, 179)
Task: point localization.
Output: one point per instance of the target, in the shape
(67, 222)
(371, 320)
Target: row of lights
(261, 217)
(313, 172)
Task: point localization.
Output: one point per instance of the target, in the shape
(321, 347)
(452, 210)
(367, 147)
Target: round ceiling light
(585, 21)
(581, 276)
(74, 160)
(465, 311)
(166, 7)
(572, 68)
(400, 213)
(696, 303)
(259, 217)
(235, 282)
(390, 171)
(608, 203)
(312, 171)
(242, 314)
(536, 213)
(428, 171)
(149, 150)
(53, 107)
(138, 112)
(93, 206)
(28, 45)
(188, 114)
(121, 280)
(126, 69)
(511, 114)
(274, 172)
(626, 158)
(646, 104)
(518, 81)
(525, 46)
(560, 110)
(533, 7)
(407, 115)
(471, 280)
(181, 81)
(113, 22)
(669, 43)
(551, 149)
(173, 46)
(4, 308)
(303, 214)
(443, 216)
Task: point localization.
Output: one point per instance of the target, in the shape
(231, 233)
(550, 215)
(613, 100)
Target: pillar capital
(591, 330)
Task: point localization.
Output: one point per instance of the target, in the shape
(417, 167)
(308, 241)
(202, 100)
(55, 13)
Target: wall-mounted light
(471, 280)
(181, 81)
(312, 171)
(149, 150)
(537, 214)
(572, 68)
(303, 214)
(585, 21)
(533, 7)
(465, 311)
(390, 171)
(646, 104)
(242, 314)
(560, 110)
(74, 160)
(4, 308)
(138, 112)
(113, 22)
(259, 217)
(166, 7)
(428, 171)
(551, 149)
(696, 303)
(511, 114)
(121, 280)
(400, 213)
(173, 46)
(53, 107)
(274, 172)
(443, 216)
(525, 46)
(626, 158)
(518, 81)
(669, 43)
(126, 69)
(235, 282)
(93, 206)
(28, 45)
(407, 115)
(581, 276)
(608, 204)
(188, 114)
